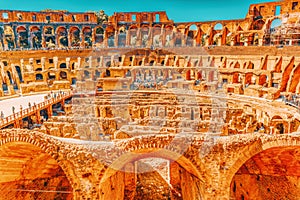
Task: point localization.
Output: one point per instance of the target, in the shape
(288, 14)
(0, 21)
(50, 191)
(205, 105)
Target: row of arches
(50, 36)
(245, 172)
(169, 35)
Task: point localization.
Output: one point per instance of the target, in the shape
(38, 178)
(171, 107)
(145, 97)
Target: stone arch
(238, 38)
(138, 153)
(157, 39)
(293, 82)
(22, 35)
(168, 36)
(10, 77)
(87, 36)
(263, 79)
(261, 144)
(49, 34)
(110, 35)
(43, 144)
(273, 24)
(99, 35)
(62, 36)
(9, 37)
(257, 24)
(191, 34)
(133, 32)
(63, 65)
(122, 32)
(35, 36)
(19, 72)
(218, 26)
(63, 75)
(162, 146)
(145, 32)
(74, 36)
(248, 78)
(39, 77)
(275, 32)
(286, 75)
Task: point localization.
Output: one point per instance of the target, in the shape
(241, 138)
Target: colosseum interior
(136, 106)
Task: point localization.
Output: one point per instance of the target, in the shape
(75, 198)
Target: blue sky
(177, 10)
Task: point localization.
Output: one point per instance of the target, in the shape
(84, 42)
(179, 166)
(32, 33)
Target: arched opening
(27, 172)
(275, 32)
(192, 32)
(36, 37)
(110, 33)
(63, 66)
(293, 84)
(49, 35)
(263, 80)
(51, 77)
(178, 39)
(258, 24)
(248, 79)
(99, 36)
(151, 176)
(38, 77)
(9, 37)
(218, 27)
(236, 77)
(133, 35)
(157, 37)
(270, 174)
(62, 37)
(87, 34)
(97, 74)
(87, 74)
(122, 37)
(151, 62)
(75, 36)
(145, 36)
(18, 69)
(168, 36)
(22, 37)
(10, 77)
(63, 75)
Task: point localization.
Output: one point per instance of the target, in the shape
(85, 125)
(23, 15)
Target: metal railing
(11, 119)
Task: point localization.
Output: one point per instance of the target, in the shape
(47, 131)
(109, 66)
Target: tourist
(2, 115)
(13, 109)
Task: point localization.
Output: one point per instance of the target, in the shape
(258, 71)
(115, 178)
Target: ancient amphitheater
(137, 106)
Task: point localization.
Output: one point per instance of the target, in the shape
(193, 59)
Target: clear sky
(177, 10)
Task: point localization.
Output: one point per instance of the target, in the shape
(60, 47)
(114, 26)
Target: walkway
(40, 104)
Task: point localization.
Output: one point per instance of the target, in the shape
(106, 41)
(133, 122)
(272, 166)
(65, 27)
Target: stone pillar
(133, 61)
(49, 111)
(90, 62)
(183, 40)
(101, 61)
(127, 38)
(43, 38)
(55, 61)
(116, 39)
(68, 62)
(93, 37)
(79, 62)
(81, 39)
(139, 42)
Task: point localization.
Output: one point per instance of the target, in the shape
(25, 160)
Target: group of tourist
(147, 83)
(49, 96)
(54, 95)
